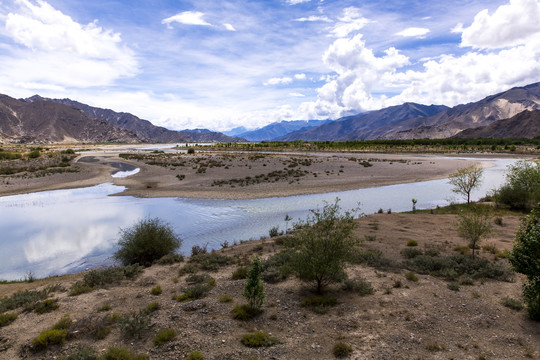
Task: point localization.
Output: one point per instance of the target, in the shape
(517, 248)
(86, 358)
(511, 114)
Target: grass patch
(375, 259)
(412, 243)
(210, 261)
(225, 298)
(244, 312)
(45, 306)
(99, 278)
(6, 319)
(82, 352)
(164, 336)
(49, 337)
(152, 307)
(319, 304)
(258, 339)
(197, 291)
(358, 286)
(170, 259)
(341, 349)
(133, 324)
(63, 324)
(411, 253)
(512, 304)
(240, 273)
(114, 353)
(195, 355)
(411, 277)
(23, 298)
(156, 291)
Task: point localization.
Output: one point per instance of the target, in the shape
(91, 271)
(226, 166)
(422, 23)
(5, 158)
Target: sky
(224, 64)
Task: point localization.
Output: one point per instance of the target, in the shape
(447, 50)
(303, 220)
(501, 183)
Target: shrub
(512, 303)
(341, 349)
(490, 248)
(409, 253)
(225, 298)
(254, 288)
(6, 319)
(170, 259)
(411, 277)
(453, 286)
(83, 352)
(156, 291)
(277, 267)
(133, 324)
(274, 231)
(412, 243)
(114, 353)
(105, 307)
(358, 286)
(258, 339)
(191, 151)
(63, 324)
(240, 273)
(98, 278)
(188, 269)
(473, 226)
(198, 291)
(49, 337)
(462, 249)
(319, 304)
(211, 261)
(244, 312)
(200, 279)
(498, 221)
(197, 249)
(46, 306)
(152, 307)
(375, 258)
(195, 355)
(146, 241)
(164, 336)
(22, 298)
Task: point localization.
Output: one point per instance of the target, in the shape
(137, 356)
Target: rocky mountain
(482, 113)
(366, 126)
(236, 131)
(280, 129)
(525, 124)
(47, 122)
(142, 128)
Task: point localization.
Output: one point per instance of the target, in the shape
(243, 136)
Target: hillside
(279, 129)
(526, 124)
(43, 122)
(143, 128)
(365, 126)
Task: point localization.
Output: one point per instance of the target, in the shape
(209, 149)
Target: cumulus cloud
(186, 18)
(300, 76)
(295, 94)
(413, 32)
(279, 81)
(510, 25)
(351, 21)
(70, 54)
(323, 18)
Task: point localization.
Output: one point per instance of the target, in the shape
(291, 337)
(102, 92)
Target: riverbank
(402, 318)
(237, 175)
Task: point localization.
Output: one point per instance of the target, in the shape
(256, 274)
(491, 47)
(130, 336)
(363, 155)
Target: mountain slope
(366, 126)
(450, 122)
(46, 122)
(143, 128)
(279, 129)
(525, 124)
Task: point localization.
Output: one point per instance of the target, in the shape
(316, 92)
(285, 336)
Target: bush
(46, 306)
(244, 312)
(412, 243)
(133, 324)
(522, 187)
(358, 286)
(512, 303)
(198, 291)
(240, 273)
(114, 353)
(152, 307)
(277, 267)
(258, 339)
(225, 298)
(196, 355)
(341, 349)
(409, 253)
(274, 231)
(98, 278)
(83, 352)
(170, 259)
(453, 286)
(319, 304)
(164, 336)
(6, 319)
(145, 242)
(191, 151)
(375, 259)
(411, 277)
(22, 298)
(156, 291)
(254, 288)
(197, 249)
(200, 279)
(210, 261)
(49, 337)
(63, 324)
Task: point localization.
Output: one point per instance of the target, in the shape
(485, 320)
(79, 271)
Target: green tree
(465, 180)
(472, 226)
(325, 244)
(525, 259)
(146, 241)
(522, 187)
(254, 288)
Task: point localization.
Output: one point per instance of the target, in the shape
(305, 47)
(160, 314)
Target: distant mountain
(197, 131)
(365, 126)
(44, 122)
(278, 129)
(143, 128)
(525, 124)
(482, 113)
(236, 131)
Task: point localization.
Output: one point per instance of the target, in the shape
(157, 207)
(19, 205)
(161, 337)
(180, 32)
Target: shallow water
(57, 232)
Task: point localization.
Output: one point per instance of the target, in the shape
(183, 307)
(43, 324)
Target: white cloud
(510, 25)
(69, 54)
(229, 27)
(323, 18)
(300, 76)
(295, 94)
(413, 32)
(351, 21)
(279, 81)
(294, 2)
(458, 29)
(187, 18)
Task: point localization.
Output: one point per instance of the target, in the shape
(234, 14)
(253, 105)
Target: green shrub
(453, 286)
(210, 261)
(258, 339)
(188, 269)
(253, 287)
(152, 307)
(319, 304)
(133, 324)
(6, 319)
(358, 286)
(98, 278)
(411, 277)
(240, 273)
(164, 336)
(114, 353)
(199, 279)
(198, 249)
(225, 298)
(46, 306)
(49, 337)
(409, 253)
(277, 267)
(23, 298)
(412, 243)
(512, 304)
(195, 355)
(82, 352)
(462, 249)
(156, 291)
(63, 324)
(244, 312)
(170, 259)
(191, 151)
(34, 154)
(105, 307)
(79, 288)
(342, 349)
(146, 241)
(375, 259)
(197, 291)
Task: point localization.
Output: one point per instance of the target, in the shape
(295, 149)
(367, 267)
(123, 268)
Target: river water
(62, 231)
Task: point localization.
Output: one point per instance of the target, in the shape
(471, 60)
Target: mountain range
(279, 129)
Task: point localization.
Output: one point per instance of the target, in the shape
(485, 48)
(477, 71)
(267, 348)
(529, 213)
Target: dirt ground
(415, 320)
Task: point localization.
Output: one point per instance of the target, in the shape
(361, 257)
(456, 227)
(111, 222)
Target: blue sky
(222, 64)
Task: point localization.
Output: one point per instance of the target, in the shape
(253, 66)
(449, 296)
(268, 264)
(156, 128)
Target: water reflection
(55, 232)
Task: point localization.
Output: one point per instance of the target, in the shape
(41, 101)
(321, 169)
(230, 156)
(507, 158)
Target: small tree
(522, 187)
(473, 226)
(146, 241)
(414, 201)
(324, 245)
(525, 259)
(466, 180)
(254, 288)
